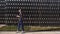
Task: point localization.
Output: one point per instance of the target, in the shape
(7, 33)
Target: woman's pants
(20, 25)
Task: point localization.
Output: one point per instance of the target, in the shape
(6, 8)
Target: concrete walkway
(43, 32)
(1, 25)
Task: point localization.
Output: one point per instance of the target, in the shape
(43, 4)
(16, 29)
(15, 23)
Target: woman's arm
(18, 16)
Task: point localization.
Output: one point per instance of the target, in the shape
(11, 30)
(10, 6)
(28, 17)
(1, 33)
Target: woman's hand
(18, 16)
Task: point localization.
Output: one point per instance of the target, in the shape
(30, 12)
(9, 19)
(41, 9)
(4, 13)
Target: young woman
(20, 23)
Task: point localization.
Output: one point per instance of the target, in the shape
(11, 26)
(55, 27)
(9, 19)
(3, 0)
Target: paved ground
(42, 32)
(1, 25)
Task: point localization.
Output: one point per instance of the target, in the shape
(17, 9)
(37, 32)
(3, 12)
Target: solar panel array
(34, 12)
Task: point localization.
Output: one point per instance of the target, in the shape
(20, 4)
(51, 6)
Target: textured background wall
(34, 12)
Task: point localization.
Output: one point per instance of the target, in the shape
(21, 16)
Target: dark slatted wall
(12, 11)
(34, 12)
(41, 12)
(2, 11)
